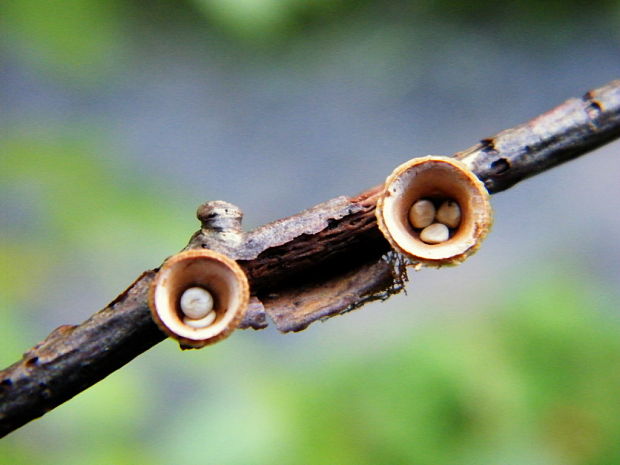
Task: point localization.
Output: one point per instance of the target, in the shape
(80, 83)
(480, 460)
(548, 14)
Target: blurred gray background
(120, 119)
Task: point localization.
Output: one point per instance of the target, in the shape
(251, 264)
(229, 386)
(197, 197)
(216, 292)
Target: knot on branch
(220, 228)
(220, 216)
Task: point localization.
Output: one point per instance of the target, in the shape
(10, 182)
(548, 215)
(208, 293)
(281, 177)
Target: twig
(323, 262)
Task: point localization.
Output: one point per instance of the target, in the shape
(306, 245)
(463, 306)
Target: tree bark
(322, 262)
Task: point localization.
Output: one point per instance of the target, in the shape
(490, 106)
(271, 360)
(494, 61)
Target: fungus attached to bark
(462, 212)
(199, 297)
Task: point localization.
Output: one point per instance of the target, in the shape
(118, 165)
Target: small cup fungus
(434, 210)
(199, 297)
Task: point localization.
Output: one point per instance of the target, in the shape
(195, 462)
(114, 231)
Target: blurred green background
(118, 118)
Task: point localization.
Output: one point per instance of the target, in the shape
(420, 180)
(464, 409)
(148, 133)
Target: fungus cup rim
(214, 271)
(434, 177)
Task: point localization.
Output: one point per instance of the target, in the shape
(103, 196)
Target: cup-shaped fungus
(439, 186)
(199, 297)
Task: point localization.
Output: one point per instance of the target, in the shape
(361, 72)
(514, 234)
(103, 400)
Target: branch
(322, 262)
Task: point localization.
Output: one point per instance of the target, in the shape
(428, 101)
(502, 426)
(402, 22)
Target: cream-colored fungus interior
(205, 272)
(431, 180)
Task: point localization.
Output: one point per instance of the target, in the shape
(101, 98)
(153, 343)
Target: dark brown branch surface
(317, 264)
(576, 127)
